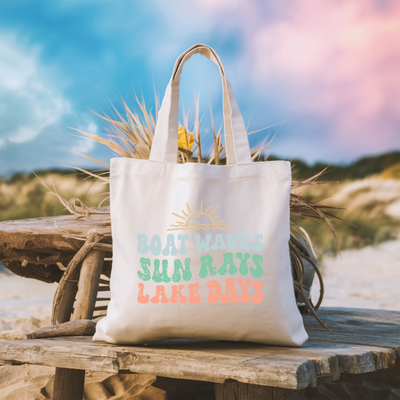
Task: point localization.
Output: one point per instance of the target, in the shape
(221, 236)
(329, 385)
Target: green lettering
(243, 269)
(206, 264)
(228, 260)
(186, 273)
(145, 275)
(163, 276)
(258, 270)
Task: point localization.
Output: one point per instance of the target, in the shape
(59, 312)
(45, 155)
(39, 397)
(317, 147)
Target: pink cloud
(336, 60)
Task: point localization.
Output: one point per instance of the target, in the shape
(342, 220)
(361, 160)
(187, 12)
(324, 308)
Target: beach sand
(365, 278)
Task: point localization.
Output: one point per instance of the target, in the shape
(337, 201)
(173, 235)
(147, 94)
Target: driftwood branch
(67, 288)
(83, 327)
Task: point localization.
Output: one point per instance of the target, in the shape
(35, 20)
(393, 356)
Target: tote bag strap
(165, 143)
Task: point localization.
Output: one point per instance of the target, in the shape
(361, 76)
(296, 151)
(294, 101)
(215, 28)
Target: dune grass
(368, 211)
(27, 195)
(24, 196)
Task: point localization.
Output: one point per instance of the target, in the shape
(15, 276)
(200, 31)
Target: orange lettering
(258, 298)
(160, 291)
(194, 296)
(177, 292)
(141, 297)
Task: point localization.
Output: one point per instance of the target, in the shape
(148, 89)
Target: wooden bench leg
(234, 390)
(68, 384)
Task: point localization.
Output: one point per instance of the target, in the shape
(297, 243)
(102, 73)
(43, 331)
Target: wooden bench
(365, 341)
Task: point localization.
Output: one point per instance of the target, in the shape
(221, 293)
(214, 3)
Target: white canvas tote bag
(200, 251)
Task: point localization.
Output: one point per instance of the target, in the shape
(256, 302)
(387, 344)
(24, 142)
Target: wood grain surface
(33, 247)
(316, 362)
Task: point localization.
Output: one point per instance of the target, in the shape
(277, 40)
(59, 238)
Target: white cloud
(84, 145)
(30, 102)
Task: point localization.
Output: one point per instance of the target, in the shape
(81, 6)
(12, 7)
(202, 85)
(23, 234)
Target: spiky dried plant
(131, 136)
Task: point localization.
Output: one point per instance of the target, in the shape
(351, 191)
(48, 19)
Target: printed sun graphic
(194, 219)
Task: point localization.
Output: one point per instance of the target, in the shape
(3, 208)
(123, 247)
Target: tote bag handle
(165, 143)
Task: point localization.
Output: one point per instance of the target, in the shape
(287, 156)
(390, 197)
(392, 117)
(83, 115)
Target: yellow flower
(183, 137)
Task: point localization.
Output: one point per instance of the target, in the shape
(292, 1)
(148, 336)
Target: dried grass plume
(131, 136)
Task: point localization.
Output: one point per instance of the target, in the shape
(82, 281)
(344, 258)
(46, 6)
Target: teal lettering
(143, 247)
(258, 270)
(219, 240)
(183, 238)
(145, 275)
(155, 245)
(170, 244)
(245, 245)
(201, 244)
(243, 269)
(161, 277)
(186, 273)
(259, 245)
(228, 260)
(232, 244)
(206, 265)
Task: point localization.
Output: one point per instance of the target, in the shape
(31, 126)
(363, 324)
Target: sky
(323, 75)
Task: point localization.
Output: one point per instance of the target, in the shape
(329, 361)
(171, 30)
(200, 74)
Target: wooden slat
(273, 363)
(205, 361)
(314, 363)
(100, 308)
(64, 353)
(288, 371)
(357, 326)
(25, 240)
(52, 229)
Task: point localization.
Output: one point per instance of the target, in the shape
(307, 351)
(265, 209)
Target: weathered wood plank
(290, 372)
(205, 361)
(80, 353)
(63, 354)
(330, 360)
(333, 359)
(357, 326)
(52, 230)
(33, 247)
